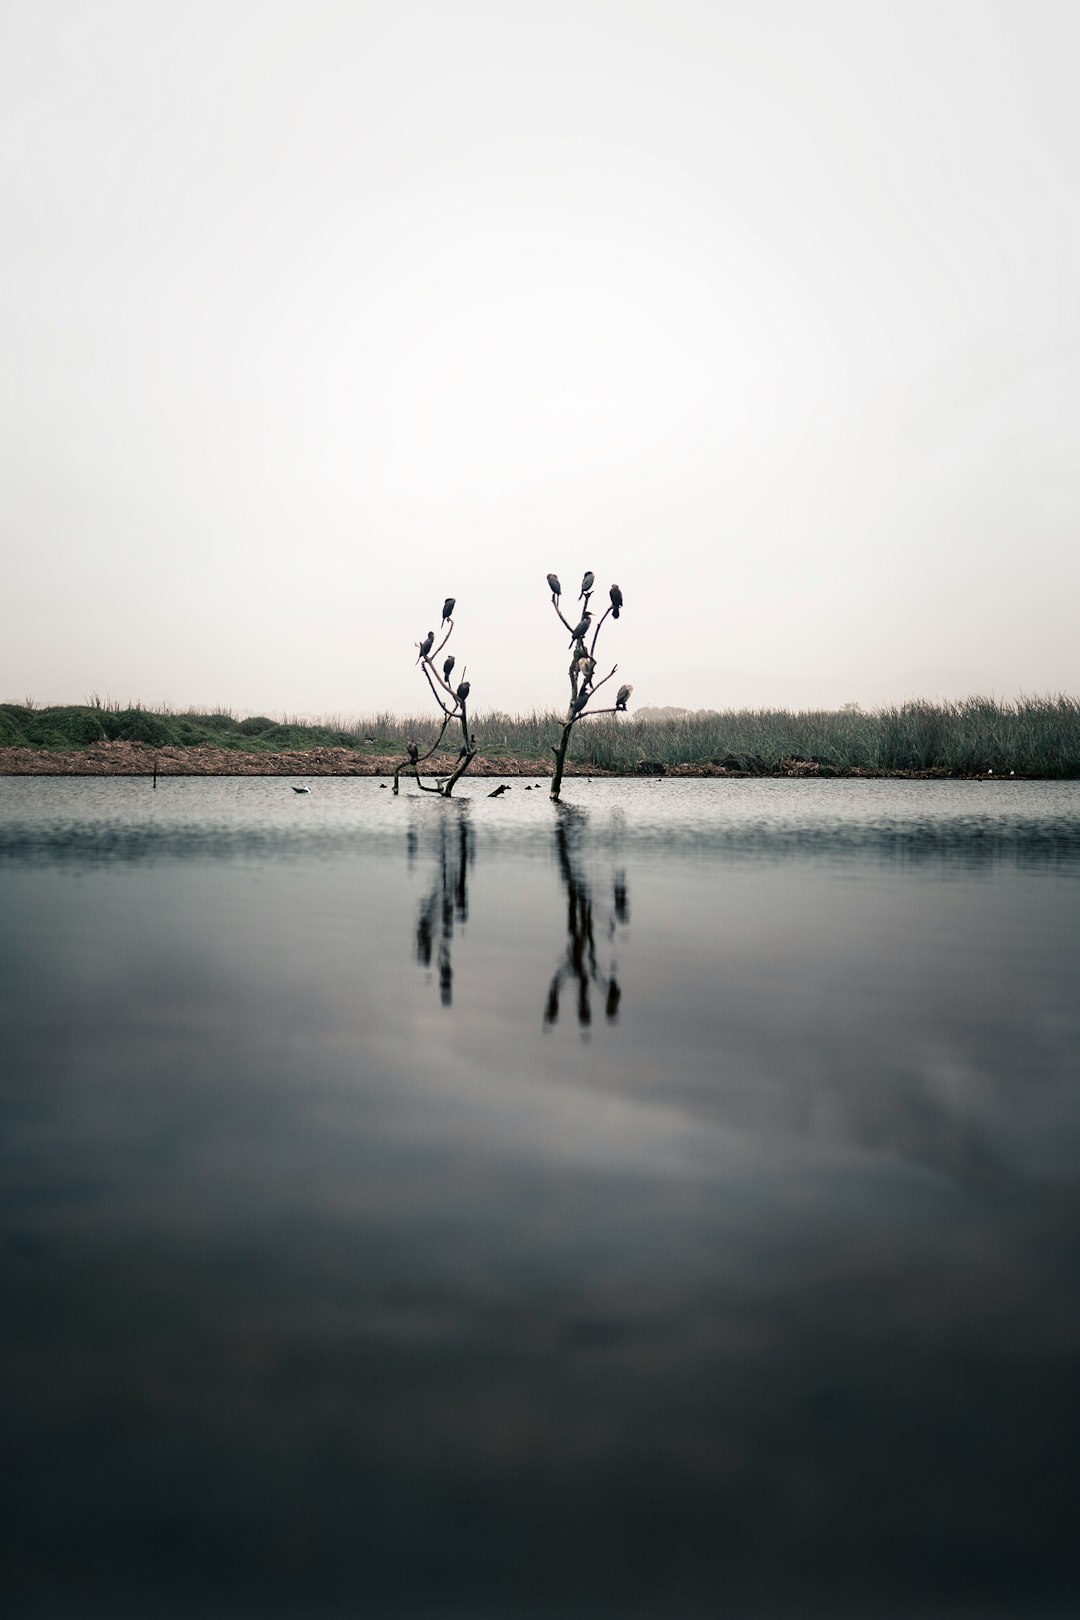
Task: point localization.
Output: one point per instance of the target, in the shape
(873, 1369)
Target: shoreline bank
(140, 759)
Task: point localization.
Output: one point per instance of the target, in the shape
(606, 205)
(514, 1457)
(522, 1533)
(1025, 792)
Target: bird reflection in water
(448, 900)
(580, 965)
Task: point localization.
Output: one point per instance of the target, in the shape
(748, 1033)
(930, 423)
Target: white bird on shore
(300, 789)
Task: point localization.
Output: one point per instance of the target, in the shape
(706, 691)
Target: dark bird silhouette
(622, 696)
(579, 702)
(616, 601)
(413, 751)
(426, 645)
(587, 584)
(448, 664)
(467, 748)
(503, 787)
(553, 582)
(582, 627)
(448, 607)
(463, 691)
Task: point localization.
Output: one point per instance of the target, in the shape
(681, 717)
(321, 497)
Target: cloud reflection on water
(324, 1297)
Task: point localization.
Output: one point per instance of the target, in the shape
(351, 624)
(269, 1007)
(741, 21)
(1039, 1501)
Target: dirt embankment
(140, 759)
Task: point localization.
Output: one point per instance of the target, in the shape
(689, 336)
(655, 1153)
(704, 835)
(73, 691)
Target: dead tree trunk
(452, 702)
(584, 686)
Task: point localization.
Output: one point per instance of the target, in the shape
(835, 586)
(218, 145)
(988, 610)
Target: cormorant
(448, 607)
(413, 751)
(463, 691)
(426, 645)
(448, 664)
(622, 697)
(587, 584)
(616, 601)
(582, 627)
(553, 581)
(300, 789)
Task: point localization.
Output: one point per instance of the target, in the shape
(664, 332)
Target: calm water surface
(663, 1205)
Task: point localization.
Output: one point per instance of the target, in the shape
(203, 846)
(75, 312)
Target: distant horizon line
(337, 720)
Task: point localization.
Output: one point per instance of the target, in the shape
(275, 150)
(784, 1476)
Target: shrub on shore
(1037, 736)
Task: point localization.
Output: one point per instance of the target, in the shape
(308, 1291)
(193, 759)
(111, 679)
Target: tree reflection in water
(580, 963)
(448, 900)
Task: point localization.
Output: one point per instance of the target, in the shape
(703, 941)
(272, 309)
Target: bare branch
(596, 632)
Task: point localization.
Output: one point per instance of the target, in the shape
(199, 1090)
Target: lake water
(667, 1204)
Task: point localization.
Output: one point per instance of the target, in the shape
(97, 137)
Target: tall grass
(1037, 736)
(1032, 736)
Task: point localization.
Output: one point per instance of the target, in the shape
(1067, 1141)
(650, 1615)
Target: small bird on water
(300, 789)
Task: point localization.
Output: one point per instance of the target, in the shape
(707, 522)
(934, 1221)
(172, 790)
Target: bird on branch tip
(448, 607)
(553, 583)
(448, 664)
(579, 702)
(582, 628)
(622, 696)
(616, 601)
(463, 691)
(413, 751)
(426, 645)
(587, 584)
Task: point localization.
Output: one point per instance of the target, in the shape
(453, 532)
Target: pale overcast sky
(315, 312)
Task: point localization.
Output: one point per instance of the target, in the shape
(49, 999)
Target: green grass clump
(1031, 736)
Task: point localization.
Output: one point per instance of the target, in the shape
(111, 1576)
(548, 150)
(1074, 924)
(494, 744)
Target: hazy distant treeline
(1032, 736)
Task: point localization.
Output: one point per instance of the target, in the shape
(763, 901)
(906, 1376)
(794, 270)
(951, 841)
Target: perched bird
(616, 601)
(467, 748)
(463, 691)
(448, 607)
(587, 584)
(582, 627)
(448, 664)
(426, 645)
(586, 666)
(579, 702)
(300, 789)
(413, 751)
(553, 582)
(622, 696)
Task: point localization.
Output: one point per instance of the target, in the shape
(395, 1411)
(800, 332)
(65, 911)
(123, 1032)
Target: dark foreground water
(666, 1206)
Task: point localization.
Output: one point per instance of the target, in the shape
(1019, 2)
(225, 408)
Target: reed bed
(1033, 736)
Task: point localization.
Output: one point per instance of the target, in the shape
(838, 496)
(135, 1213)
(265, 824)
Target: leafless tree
(584, 635)
(452, 700)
